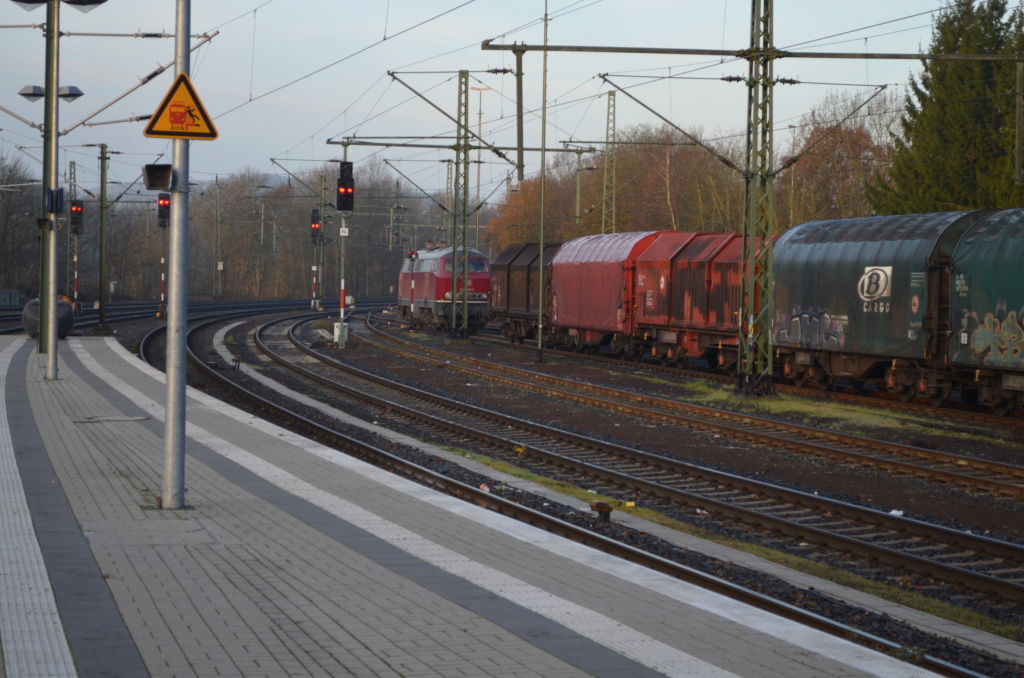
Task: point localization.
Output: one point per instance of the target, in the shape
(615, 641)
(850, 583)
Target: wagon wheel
(942, 397)
(801, 380)
(1002, 408)
(906, 395)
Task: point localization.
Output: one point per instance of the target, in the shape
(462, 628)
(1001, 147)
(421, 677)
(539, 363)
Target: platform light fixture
(48, 245)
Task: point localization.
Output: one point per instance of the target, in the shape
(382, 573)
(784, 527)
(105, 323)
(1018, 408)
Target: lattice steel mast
(754, 370)
(608, 205)
(460, 215)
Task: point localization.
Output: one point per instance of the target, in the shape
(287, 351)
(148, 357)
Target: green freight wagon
(868, 300)
(987, 309)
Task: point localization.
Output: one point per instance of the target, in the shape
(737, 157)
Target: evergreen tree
(954, 150)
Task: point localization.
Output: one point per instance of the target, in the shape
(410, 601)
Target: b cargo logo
(875, 285)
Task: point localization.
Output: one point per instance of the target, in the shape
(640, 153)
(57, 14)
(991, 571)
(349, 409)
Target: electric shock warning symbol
(181, 115)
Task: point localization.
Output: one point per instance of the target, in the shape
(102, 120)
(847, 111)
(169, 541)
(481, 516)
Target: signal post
(345, 204)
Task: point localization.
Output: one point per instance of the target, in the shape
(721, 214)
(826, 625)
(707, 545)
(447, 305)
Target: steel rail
(753, 428)
(974, 580)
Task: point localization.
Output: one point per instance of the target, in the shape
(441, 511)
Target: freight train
(427, 281)
(917, 305)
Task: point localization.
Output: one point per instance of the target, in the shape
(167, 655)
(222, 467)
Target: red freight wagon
(654, 277)
(663, 295)
(592, 288)
(726, 290)
(725, 302)
(691, 279)
(674, 279)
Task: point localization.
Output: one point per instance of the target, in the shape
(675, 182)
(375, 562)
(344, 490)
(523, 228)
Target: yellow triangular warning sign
(181, 115)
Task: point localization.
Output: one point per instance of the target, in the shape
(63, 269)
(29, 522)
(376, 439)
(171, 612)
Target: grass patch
(880, 590)
(875, 421)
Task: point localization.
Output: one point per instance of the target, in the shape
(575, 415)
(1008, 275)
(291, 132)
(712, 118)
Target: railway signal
(163, 210)
(314, 227)
(76, 216)
(346, 187)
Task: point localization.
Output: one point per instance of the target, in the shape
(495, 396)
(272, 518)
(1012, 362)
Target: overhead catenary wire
(344, 58)
(573, 7)
(570, 121)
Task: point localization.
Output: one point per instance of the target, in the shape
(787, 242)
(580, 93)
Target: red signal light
(346, 188)
(77, 216)
(314, 226)
(163, 210)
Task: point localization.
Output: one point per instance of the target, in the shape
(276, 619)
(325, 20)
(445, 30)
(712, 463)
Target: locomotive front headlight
(448, 296)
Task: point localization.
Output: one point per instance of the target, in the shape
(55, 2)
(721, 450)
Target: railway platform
(292, 559)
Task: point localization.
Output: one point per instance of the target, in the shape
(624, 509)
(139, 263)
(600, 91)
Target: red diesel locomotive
(425, 294)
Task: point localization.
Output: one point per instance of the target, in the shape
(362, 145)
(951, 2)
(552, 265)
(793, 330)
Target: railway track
(831, 391)
(276, 340)
(970, 473)
(974, 562)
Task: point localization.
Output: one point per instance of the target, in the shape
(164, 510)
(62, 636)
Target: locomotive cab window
(475, 266)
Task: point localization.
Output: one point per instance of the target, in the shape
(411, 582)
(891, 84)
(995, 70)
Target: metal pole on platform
(173, 496)
(48, 241)
(52, 196)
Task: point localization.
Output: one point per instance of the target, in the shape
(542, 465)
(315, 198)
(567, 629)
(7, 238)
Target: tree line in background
(663, 180)
(249, 236)
(946, 144)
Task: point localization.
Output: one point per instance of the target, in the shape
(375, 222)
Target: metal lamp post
(51, 197)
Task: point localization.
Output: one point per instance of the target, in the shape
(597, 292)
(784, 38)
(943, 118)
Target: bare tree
(836, 159)
(19, 236)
